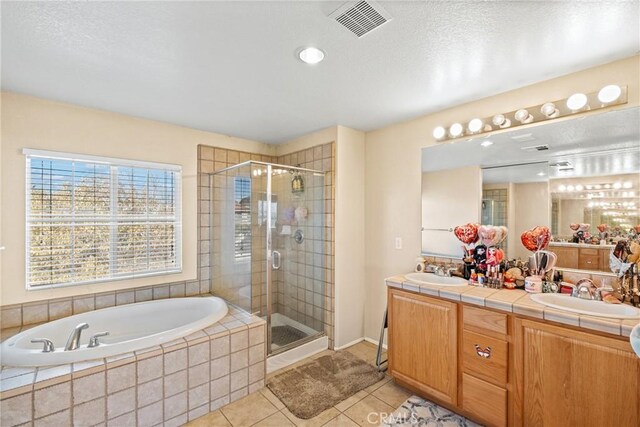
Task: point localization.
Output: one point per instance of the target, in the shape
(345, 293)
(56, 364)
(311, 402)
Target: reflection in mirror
(577, 171)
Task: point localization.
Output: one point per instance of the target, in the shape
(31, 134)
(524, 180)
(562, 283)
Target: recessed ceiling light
(311, 55)
(486, 143)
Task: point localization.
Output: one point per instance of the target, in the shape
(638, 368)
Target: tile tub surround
(518, 302)
(172, 383)
(33, 313)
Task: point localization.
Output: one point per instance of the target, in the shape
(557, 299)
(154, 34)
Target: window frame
(113, 164)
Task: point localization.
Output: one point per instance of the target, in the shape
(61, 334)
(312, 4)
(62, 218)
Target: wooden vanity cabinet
(573, 378)
(567, 256)
(536, 373)
(423, 344)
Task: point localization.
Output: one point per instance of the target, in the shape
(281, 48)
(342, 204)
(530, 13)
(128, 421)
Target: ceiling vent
(542, 147)
(560, 164)
(361, 17)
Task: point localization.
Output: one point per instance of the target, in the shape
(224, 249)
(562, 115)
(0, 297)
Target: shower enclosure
(268, 247)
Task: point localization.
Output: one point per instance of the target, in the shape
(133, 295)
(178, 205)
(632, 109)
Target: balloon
(487, 234)
(574, 226)
(467, 233)
(602, 228)
(536, 239)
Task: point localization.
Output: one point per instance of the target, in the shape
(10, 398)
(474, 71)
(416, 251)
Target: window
(242, 220)
(92, 219)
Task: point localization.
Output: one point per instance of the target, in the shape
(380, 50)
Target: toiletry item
(481, 279)
(301, 213)
(473, 278)
(420, 265)
(533, 284)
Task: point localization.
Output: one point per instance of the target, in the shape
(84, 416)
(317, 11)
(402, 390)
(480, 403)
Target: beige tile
(88, 388)
(150, 415)
(319, 420)
(83, 304)
(392, 394)
(175, 361)
(60, 308)
(175, 405)
(103, 300)
(276, 420)
(219, 347)
(198, 396)
(128, 419)
(11, 317)
(239, 340)
(377, 385)
(219, 388)
(150, 392)
(178, 421)
(367, 411)
(350, 401)
(175, 383)
(256, 335)
(239, 379)
(89, 414)
(121, 402)
(58, 419)
(220, 367)
(561, 316)
(248, 410)
(198, 412)
(341, 421)
(239, 360)
(149, 369)
(52, 399)
(121, 377)
(199, 375)
(610, 326)
(212, 419)
(16, 410)
(198, 353)
(272, 398)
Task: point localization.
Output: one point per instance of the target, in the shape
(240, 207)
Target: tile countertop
(581, 245)
(516, 301)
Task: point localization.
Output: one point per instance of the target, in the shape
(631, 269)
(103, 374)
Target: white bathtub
(131, 327)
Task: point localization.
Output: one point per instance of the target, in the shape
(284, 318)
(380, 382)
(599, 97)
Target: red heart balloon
(536, 239)
(637, 228)
(467, 233)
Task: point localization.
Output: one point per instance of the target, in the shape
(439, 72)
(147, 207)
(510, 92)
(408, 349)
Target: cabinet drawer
(488, 360)
(589, 262)
(484, 401)
(484, 321)
(588, 251)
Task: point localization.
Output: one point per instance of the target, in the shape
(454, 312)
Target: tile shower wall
(292, 297)
(304, 290)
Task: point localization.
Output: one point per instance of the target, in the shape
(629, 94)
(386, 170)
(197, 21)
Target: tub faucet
(74, 339)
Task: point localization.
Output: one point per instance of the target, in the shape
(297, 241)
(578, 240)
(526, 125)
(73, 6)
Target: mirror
(561, 174)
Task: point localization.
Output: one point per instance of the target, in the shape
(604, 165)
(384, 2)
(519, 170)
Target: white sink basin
(635, 339)
(432, 279)
(588, 307)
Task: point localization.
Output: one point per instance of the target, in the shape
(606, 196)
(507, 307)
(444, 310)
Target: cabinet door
(422, 344)
(572, 378)
(567, 256)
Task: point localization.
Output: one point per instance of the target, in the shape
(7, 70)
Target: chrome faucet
(450, 270)
(74, 339)
(47, 345)
(583, 291)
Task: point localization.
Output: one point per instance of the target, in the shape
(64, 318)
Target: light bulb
(549, 110)
(577, 101)
(579, 187)
(523, 116)
(597, 186)
(501, 121)
(570, 188)
(617, 186)
(311, 55)
(562, 188)
(627, 184)
(455, 130)
(609, 94)
(439, 132)
(475, 125)
(589, 187)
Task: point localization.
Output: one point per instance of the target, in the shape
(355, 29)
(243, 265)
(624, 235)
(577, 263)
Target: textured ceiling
(230, 67)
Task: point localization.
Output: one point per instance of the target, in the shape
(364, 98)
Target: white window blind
(93, 219)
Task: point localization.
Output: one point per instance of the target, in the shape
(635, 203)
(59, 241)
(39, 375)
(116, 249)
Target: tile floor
(263, 408)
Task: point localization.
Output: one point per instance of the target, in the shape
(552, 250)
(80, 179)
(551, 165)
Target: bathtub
(131, 327)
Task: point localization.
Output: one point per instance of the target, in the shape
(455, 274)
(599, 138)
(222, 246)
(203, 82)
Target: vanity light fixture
(579, 187)
(609, 94)
(577, 102)
(570, 188)
(549, 110)
(311, 55)
(597, 186)
(475, 126)
(617, 186)
(627, 184)
(455, 130)
(562, 188)
(486, 143)
(439, 132)
(523, 116)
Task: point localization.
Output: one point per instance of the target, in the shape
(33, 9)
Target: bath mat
(416, 411)
(318, 385)
(283, 335)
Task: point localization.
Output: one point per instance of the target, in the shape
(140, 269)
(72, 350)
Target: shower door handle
(275, 260)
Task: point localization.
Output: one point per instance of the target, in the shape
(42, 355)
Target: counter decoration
(542, 261)
(482, 255)
(603, 230)
(581, 232)
(624, 261)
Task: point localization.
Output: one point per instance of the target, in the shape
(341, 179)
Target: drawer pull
(486, 352)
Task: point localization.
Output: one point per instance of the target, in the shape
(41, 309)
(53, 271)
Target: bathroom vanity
(495, 357)
(582, 256)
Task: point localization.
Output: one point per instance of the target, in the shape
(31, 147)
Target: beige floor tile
(272, 398)
(322, 353)
(276, 420)
(377, 385)
(212, 419)
(349, 402)
(248, 410)
(341, 421)
(392, 394)
(369, 411)
(316, 421)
